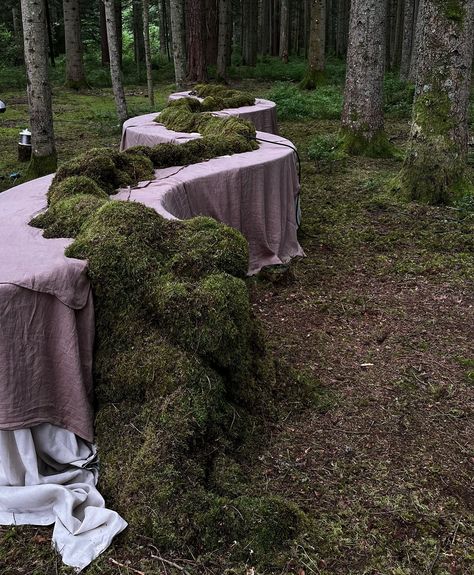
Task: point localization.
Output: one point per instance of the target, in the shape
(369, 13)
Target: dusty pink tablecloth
(46, 322)
(262, 114)
(254, 192)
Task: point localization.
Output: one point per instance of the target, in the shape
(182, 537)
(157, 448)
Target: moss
(72, 186)
(205, 246)
(42, 165)
(357, 144)
(433, 170)
(107, 168)
(313, 79)
(454, 10)
(66, 217)
(219, 97)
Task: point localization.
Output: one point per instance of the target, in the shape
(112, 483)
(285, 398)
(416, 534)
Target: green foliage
(293, 104)
(11, 51)
(466, 204)
(325, 148)
(398, 96)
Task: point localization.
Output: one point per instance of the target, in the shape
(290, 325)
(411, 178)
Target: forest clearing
(358, 458)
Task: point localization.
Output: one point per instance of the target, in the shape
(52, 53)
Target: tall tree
(362, 115)
(75, 73)
(225, 23)
(284, 30)
(35, 35)
(178, 41)
(249, 32)
(407, 42)
(195, 33)
(146, 37)
(434, 167)
(138, 36)
(114, 54)
(317, 43)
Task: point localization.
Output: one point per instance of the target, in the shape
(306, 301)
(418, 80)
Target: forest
(311, 415)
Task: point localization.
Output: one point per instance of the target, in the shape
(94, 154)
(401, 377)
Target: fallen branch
(126, 566)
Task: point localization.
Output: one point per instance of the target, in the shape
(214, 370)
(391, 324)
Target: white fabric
(48, 475)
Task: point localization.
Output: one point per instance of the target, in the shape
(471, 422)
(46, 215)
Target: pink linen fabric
(46, 322)
(254, 192)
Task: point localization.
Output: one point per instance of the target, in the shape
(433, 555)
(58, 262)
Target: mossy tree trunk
(178, 42)
(75, 73)
(35, 35)
(284, 29)
(195, 34)
(435, 162)
(362, 115)
(317, 41)
(114, 54)
(146, 37)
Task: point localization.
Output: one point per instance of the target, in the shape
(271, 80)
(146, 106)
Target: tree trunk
(35, 34)
(407, 42)
(18, 33)
(195, 41)
(119, 28)
(317, 42)
(362, 115)
(178, 41)
(75, 73)
(249, 32)
(115, 71)
(211, 30)
(146, 38)
(224, 23)
(434, 167)
(284, 30)
(104, 45)
(50, 34)
(418, 34)
(397, 39)
(138, 37)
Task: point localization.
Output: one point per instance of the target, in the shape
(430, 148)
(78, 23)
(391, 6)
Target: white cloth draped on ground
(254, 192)
(48, 476)
(46, 412)
(263, 114)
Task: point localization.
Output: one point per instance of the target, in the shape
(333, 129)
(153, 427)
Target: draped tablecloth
(46, 412)
(254, 192)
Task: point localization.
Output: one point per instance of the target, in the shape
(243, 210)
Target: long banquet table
(254, 192)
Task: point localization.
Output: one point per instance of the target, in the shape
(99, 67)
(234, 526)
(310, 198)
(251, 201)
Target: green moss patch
(66, 217)
(72, 186)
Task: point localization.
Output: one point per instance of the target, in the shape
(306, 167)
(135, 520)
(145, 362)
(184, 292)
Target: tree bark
(115, 71)
(317, 42)
(211, 30)
(222, 46)
(249, 32)
(146, 38)
(418, 34)
(362, 115)
(104, 45)
(407, 42)
(178, 41)
(195, 33)
(138, 37)
(75, 73)
(284, 30)
(43, 156)
(434, 167)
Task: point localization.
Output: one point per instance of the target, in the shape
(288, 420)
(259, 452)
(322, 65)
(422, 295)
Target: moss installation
(183, 381)
(217, 97)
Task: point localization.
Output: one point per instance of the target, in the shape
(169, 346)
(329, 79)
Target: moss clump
(452, 9)
(66, 217)
(107, 168)
(73, 186)
(219, 97)
(358, 144)
(313, 79)
(182, 377)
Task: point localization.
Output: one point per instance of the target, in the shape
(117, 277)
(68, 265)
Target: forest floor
(381, 314)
